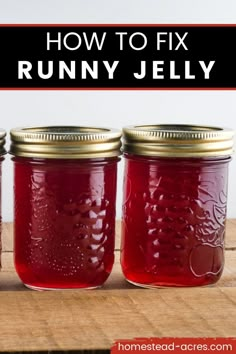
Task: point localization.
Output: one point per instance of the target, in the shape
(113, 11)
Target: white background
(116, 108)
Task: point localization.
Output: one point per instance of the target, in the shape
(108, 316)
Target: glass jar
(174, 206)
(2, 152)
(65, 194)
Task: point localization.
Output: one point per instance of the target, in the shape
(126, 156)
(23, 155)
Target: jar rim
(2, 142)
(178, 140)
(65, 142)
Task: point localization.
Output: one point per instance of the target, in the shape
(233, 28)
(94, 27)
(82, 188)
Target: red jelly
(174, 208)
(65, 197)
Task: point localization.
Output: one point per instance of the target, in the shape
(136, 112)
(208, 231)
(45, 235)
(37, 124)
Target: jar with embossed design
(174, 205)
(65, 195)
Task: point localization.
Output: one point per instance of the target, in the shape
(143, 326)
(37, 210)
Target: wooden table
(94, 319)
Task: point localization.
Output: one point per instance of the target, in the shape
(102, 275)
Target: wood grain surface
(94, 319)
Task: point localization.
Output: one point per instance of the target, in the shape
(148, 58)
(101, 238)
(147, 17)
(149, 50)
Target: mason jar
(174, 205)
(64, 213)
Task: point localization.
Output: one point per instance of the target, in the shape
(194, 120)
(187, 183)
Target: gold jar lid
(177, 140)
(2, 142)
(65, 142)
